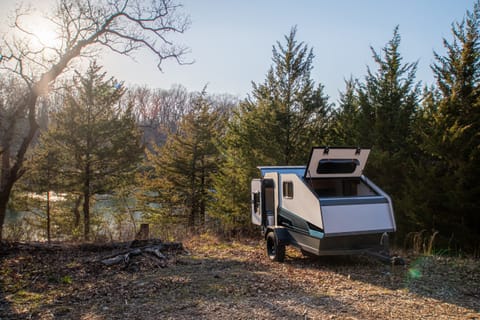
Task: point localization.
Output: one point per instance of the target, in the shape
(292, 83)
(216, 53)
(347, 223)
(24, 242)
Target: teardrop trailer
(327, 207)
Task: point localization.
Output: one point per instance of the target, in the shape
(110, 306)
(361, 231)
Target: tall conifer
(388, 101)
(451, 139)
(96, 139)
(278, 124)
(183, 167)
(345, 119)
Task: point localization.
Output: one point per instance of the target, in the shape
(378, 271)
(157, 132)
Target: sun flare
(47, 38)
(39, 32)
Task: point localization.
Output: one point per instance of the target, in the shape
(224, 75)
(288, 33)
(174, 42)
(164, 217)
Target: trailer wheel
(275, 251)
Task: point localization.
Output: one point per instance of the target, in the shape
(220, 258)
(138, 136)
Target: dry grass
(234, 280)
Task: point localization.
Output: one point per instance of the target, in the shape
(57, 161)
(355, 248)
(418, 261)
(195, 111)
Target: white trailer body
(327, 207)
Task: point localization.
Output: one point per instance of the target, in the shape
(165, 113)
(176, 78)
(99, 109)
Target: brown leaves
(232, 280)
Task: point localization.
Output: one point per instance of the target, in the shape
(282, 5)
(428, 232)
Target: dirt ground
(232, 280)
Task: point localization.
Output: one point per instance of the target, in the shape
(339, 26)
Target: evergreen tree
(278, 125)
(183, 167)
(97, 139)
(424, 190)
(451, 138)
(293, 112)
(388, 102)
(344, 127)
(241, 156)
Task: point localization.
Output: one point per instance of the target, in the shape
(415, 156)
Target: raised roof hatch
(325, 162)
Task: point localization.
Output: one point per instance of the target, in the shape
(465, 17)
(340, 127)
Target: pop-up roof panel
(328, 162)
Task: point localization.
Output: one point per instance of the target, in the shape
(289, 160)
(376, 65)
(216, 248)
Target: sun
(39, 32)
(43, 34)
(45, 37)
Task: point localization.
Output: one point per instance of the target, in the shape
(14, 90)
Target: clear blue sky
(231, 41)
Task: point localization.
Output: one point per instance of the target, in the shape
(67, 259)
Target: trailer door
(256, 199)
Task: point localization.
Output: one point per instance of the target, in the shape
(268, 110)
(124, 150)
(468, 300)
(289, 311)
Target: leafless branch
(121, 26)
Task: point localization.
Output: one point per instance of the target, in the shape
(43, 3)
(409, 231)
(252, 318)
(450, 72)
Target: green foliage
(380, 111)
(425, 146)
(231, 185)
(345, 119)
(66, 280)
(291, 114)
(94, 141)
(388, 99)
(286, 115)
(180, 180)
(449, 139)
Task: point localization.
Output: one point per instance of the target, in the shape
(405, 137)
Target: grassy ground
(233, 280)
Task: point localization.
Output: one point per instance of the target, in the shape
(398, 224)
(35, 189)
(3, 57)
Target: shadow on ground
(233, 281)
(451, 280)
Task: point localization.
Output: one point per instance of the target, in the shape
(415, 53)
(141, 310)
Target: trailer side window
(288, 189)
(256, 201)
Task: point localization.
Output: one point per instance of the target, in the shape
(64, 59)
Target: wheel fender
(281, 235)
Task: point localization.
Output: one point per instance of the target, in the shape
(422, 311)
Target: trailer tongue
(325, 208)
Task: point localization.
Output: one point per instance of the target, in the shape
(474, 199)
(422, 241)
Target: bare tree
(158, 111)
(82, 28)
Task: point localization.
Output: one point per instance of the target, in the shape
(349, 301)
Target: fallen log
(125, 257)
(155, 251)
(158, 251)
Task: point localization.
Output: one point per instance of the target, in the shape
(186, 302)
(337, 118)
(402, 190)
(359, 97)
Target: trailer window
(328, 166)
(256, 201)
(288, 189)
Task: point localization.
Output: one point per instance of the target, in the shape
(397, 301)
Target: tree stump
(143, 233)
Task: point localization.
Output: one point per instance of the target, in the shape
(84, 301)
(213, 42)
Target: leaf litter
(215, 279)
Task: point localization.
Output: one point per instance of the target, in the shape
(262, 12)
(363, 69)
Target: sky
(231, 41)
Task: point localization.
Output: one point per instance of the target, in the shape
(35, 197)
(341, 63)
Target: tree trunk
(10, 173)
(3, 210)
(191, 218)
(48, 216)
(76, 212)
(86, 203)
(203, 194)
(86, 216)
(6, 185)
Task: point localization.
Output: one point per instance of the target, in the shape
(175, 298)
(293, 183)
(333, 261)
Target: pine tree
(183, 167)
(345, 119)
(238, 167)
(293, 112)
(451, 137)
(278, 125)
(388, 101)
(97, 139)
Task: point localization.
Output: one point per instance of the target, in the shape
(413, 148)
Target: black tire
(275, 251)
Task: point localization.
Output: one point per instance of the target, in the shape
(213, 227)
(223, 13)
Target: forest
(86, 158)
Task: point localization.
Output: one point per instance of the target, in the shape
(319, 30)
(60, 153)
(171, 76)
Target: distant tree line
(184, 160)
